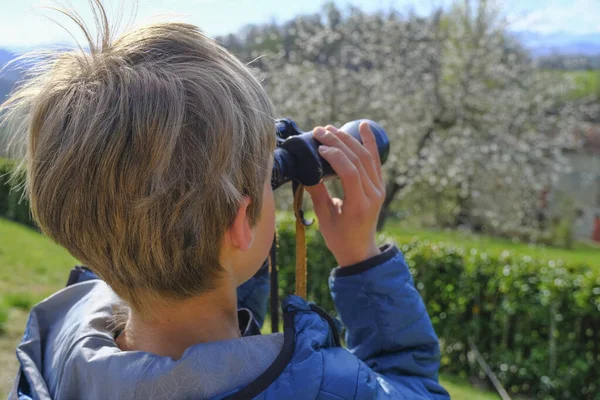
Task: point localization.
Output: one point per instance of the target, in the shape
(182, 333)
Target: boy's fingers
(360, 157)
(330, 138)
(368, 139)
(365, 158)
(348, 173)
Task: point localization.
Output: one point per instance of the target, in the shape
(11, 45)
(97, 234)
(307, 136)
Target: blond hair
(140, 151)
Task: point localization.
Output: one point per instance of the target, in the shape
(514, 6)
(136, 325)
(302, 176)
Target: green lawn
(30, 264)
(586, 82)
(32, 267)
(580, 254)
(461, 390)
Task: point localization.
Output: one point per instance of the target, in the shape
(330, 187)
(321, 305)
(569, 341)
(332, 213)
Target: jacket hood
(68, 351)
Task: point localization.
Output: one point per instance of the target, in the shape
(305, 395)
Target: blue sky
(24, 25)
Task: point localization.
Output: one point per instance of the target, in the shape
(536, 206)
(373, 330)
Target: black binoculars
(297, 158)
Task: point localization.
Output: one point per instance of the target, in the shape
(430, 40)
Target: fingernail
(323, 149)
(320, 133)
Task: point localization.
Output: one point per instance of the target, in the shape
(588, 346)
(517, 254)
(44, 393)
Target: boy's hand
(349, 225)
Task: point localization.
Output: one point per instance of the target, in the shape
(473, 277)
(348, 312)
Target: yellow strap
(300, 244)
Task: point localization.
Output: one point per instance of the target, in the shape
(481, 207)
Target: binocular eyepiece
(297, 158)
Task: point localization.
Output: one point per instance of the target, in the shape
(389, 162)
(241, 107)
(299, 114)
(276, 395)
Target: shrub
(536, 323)
(5, 170)
(13, 205)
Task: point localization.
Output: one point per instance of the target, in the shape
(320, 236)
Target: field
(32, 267)
(582, 253)
(586, 82)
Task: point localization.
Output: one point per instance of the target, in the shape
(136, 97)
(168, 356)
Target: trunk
(464, 212)
(333, 112)
(391, 191)
(393, 188)
(464, 205)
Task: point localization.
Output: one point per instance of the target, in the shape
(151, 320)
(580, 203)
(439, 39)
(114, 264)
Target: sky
(23, 24)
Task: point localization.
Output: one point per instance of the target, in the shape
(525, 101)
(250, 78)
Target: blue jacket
(68, 350)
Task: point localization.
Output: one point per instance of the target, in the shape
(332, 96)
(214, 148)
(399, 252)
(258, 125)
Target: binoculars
(297, 159)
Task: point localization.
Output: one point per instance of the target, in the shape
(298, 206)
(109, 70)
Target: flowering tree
(469, 116)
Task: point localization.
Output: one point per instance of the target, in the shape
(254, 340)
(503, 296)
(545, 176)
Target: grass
(580, 254)
(586, 82)
(30, 264)
(460, 389)
(31, 268)
(4, 310)
(23, 301)
(8, 343)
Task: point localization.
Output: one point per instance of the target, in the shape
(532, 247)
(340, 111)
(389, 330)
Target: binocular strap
(301, 274)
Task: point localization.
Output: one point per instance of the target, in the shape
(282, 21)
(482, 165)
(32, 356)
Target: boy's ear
(240, 233)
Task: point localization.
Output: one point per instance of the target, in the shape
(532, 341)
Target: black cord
(274, 286)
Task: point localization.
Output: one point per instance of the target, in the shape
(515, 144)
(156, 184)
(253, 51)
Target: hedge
(13, 205)
(536, 323)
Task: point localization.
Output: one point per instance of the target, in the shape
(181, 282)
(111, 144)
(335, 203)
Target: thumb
(320, 198)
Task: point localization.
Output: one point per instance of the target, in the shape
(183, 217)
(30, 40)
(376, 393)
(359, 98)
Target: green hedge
(536, 323)
(13, 205)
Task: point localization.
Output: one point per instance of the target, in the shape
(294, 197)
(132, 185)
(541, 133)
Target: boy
(149, 159)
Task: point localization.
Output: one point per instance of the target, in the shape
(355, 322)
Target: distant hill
(8, 78)
(5, 88)
(5, 56)
(560, 43)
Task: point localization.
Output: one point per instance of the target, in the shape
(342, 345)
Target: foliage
(534, 321)
(13, 204)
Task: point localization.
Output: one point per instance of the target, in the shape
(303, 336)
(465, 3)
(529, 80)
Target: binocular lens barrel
(297, 158)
